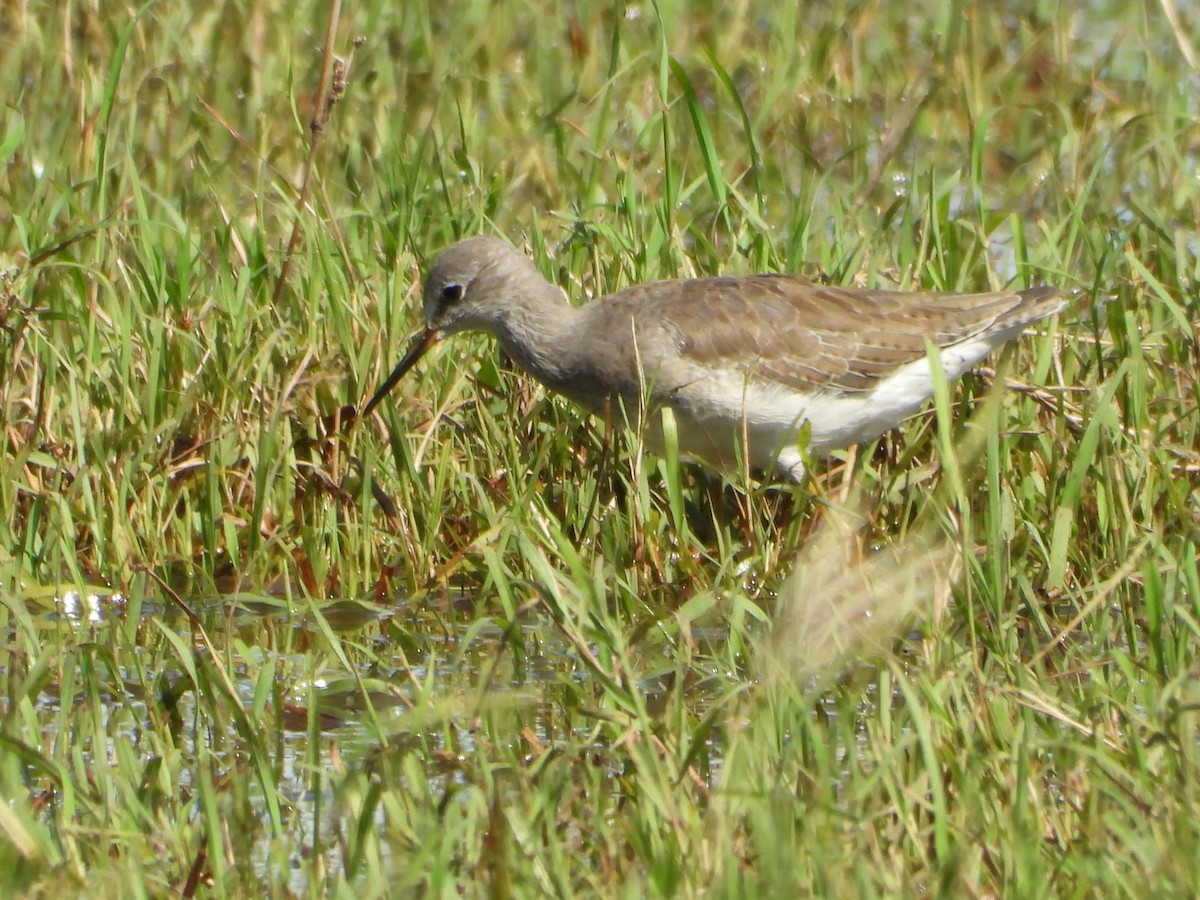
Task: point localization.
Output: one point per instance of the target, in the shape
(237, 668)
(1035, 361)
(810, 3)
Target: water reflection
(91, 607)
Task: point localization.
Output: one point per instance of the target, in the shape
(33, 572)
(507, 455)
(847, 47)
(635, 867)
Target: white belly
(717, 412)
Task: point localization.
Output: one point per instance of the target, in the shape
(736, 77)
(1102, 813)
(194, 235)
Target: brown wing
(812, 336)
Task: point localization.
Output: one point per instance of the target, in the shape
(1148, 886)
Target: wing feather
(818, 337)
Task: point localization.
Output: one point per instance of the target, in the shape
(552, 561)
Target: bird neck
(539, 331)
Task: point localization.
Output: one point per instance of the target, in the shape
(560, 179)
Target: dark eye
(452, 293)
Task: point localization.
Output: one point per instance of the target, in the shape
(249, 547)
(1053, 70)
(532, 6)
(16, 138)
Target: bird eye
(452, 293)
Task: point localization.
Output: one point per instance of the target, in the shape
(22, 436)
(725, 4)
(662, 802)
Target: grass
(479, 645)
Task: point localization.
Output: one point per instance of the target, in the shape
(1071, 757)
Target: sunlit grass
(479, 642)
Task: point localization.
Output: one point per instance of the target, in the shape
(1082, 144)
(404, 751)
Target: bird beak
(420, 344)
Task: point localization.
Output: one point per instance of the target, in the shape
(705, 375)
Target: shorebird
(743, 361)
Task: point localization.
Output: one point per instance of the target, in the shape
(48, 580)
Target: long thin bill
(421, 343)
